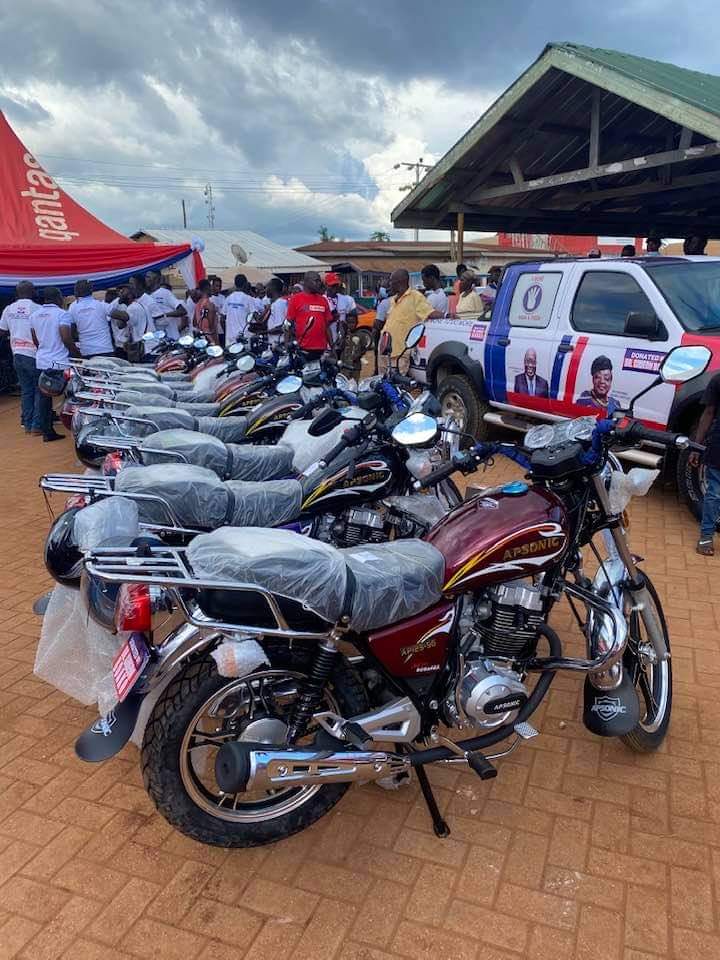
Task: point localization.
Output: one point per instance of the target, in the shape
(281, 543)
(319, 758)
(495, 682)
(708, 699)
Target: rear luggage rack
(104, 487)
(169, 567)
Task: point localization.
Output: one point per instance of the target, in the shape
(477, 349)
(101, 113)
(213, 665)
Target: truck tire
(690, 483)
(459, 399)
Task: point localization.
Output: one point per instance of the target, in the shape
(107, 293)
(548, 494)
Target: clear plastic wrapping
(227, 429)
(288, 564)
(113, 517)
(423, 507)
(268, 504)
(625, 486)
(236, 658)
(393, 581)
(198, 409)
(193, 447)
(74, 653)
(197, 497)
(160, 418)
(308, 450)
(253, 462)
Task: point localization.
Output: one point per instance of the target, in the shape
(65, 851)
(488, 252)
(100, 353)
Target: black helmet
(62, 556)
(88, 453)
(52, 383)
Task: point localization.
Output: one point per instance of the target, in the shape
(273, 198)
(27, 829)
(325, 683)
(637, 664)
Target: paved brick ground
(578, 849)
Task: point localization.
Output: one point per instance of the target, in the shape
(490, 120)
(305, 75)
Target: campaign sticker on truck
(478, 331)
(644, 361)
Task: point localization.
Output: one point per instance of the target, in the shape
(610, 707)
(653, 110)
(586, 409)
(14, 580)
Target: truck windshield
(693, 291)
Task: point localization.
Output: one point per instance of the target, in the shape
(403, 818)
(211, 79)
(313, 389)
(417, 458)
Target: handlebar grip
(446, 470)
(399, 380)
(636, 431)
(336, 451)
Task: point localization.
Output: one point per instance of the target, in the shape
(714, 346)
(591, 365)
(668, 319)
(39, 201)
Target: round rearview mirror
(235, 348)
(200, 343)
(186, 341)
(385, 344)
(214, 351)
(266, 355)
(160, 334)
(245, 364)
(148, 337)
(289, 385)
(684, 363)
(416, 430)
(415, 335)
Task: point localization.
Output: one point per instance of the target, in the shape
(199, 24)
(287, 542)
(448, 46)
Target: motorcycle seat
(369, 586)
(230, 461)
(227, 429)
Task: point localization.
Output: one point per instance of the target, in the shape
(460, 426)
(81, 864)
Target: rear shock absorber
(310, 694)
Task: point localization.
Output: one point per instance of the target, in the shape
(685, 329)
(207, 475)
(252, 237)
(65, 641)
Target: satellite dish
(239, 253)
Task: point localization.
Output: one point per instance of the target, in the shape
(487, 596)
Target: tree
(380, 236)
(324, 234)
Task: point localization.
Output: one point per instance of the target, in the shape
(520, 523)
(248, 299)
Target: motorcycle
(259, 720)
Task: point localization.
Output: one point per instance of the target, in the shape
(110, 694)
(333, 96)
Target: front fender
(456, 356)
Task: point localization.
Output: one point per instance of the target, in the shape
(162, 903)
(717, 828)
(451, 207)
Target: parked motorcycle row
(280, 590)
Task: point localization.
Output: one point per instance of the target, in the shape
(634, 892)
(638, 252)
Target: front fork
(642, 601)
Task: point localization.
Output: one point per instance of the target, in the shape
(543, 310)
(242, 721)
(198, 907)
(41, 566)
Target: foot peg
(526, 731)
(481, 765)
(355, 735)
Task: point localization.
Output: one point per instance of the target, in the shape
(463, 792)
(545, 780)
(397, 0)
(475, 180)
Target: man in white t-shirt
(129, 318)
(173, 319)
(15, 323)
(434, 292)
(52, 334)
(341, 304)
(277, 314)
(238, 307)
(220, 301)
(91, 323)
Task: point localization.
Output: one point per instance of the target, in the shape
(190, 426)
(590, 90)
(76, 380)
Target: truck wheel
(690, 483)
(459, 399)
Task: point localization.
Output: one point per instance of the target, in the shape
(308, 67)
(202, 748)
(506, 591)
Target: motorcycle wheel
(199, 711)
(652, 680)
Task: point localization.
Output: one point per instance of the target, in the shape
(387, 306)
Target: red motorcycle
(281, 668)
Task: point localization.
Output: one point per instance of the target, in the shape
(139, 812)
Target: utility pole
(184, 215)
(417, 167)
(210, 206)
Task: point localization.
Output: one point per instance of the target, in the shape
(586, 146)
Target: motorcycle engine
(353, 527)
(487, 696)
(506, 619)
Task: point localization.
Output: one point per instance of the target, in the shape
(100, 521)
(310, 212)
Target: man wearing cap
(341, 305)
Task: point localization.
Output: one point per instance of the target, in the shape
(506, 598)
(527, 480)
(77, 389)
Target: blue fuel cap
(515, 488)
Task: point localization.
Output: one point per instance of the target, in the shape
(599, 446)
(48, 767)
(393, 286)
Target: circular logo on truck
(532, 298)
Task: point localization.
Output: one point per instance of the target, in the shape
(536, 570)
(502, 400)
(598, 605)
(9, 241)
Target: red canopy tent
(46, 237)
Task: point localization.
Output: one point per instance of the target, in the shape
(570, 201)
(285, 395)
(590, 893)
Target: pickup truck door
(596, 366)
(520, 339)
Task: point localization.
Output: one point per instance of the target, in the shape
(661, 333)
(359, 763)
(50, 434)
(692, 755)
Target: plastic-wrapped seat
(372, 585)
(228, 461)
(197, 498)
(159, 418)
(227, 429)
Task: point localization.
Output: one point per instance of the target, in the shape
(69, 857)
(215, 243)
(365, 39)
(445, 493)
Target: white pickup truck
(569, 337)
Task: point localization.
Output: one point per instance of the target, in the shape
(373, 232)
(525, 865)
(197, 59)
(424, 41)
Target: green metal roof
(698, 89)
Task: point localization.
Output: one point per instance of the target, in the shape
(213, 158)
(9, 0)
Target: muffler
(243, 766)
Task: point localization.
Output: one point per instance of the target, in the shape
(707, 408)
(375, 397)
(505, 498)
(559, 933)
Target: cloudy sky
(296, 111)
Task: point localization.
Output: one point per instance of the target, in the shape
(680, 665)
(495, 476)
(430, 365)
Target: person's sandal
(705, 547)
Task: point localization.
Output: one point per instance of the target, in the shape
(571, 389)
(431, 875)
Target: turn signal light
(112, 464)
(133, 609)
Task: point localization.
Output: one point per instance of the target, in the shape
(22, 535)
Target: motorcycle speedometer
(537, 438)
(581, 428)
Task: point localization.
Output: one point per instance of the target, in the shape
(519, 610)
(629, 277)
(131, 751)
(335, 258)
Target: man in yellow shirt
(407, 308)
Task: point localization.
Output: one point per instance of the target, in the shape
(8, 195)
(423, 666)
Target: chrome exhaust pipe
(242, 766)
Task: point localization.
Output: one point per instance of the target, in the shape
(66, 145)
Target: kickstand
(439, 825)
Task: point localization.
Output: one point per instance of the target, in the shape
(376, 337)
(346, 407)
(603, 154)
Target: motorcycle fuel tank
(504, 536)
(350, 479)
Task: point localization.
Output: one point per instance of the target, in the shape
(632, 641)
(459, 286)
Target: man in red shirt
(311, 316)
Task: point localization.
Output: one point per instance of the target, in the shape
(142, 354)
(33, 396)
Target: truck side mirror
(644, 325)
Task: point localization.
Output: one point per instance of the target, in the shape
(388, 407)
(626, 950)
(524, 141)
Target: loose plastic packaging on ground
(113, 517)
(625, 486)
(392, 580)
(196, 497)
(74, 653)
(270, 503)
